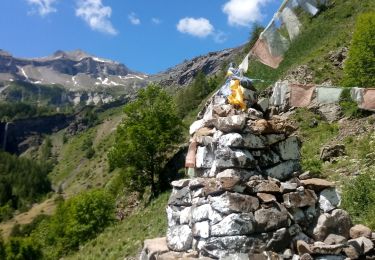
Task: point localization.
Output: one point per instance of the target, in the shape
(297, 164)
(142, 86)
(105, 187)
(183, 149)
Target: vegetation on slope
(330, 30)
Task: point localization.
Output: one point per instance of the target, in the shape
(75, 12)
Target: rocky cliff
(248, 198)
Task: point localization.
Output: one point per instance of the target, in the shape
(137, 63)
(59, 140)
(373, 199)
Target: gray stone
(221, 246)
(204, 157)
(329, 199)
(288, 187)
(215, 217)
(320, 248)
(360, 230)
(201, 229)
(274, 138)
(180, 197)
(300, 199)
(330, 112)
(252, 141)
(279, 241)
(231, 123)
(234, 225)
(234, 203)
(268, 158)
(180, 183)
(305, 175)
(264, 103)
(239, 256)
(234, 140)
(289, 149)
(342, 221)
(272, 218)
(234, 158)
(284, 170)
(179, 238)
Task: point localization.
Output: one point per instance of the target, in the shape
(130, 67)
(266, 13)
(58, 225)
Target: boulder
(300, 199)
(234, 203)
(329, 199)
(283, 171)
(338, 222)
(200, 213)
(272, 218)
(179, 238)
(360, 230)
(330, 112)
(234, 225)
(327, 153)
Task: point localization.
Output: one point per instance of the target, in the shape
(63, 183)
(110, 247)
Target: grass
(313, 139)
(329, 30)
(125, 239)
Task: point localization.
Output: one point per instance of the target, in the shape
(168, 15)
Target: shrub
(359, 198)
(348, 105)
(22, 249)
(359, 69)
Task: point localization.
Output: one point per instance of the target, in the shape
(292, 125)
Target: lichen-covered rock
(300, 199)
(289, 149)
(179, 238)
(329, 199)
(234, 203)
(234, 158)
(338, 223)
(230, 124)
(181, 197)
(234, 225)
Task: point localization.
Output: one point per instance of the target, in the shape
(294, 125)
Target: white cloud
(42, 7)
(244, 12)
(96, 15)
(199, 27)
(155, 20)
(134, 19)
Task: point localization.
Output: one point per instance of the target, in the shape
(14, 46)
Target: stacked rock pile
(249, 200)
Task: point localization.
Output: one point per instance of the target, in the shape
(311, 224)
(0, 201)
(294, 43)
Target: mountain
(210, 64)
(75, 70)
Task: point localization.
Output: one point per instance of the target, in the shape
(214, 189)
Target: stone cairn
(249, 200)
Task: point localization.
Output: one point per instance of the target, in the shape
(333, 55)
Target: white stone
(329, 199)
(172, 216)
(200, 213)
(289, 149)
(196, 126)
(228, 173)
(231, 140)
(204, 157)
(215, 217)
(234, 158)
(185, 216)
(234, 224)
(201, 229)
(180, 183)
(179, 238)
(230, 123)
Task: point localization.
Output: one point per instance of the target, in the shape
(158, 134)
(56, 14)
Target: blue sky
(146, 35)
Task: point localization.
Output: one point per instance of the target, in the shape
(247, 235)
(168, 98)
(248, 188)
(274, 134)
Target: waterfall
(5, 135)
